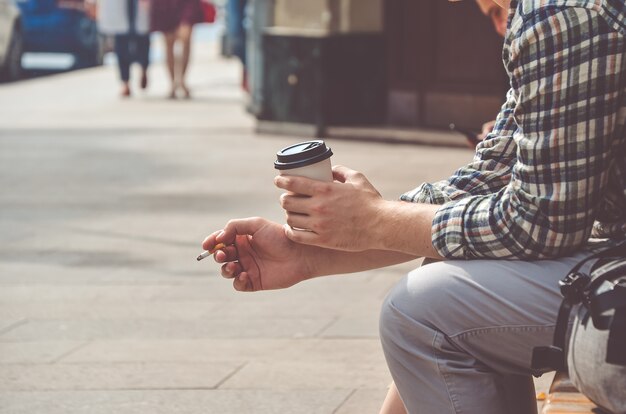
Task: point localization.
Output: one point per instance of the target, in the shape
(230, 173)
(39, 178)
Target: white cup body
(321, 171)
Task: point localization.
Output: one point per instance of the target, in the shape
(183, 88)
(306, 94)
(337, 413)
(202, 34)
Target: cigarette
(207, 253)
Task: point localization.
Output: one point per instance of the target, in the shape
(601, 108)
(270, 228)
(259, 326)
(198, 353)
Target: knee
(418, 303)
(184, 33)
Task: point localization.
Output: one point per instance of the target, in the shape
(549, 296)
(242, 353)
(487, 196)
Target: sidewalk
(103, 308)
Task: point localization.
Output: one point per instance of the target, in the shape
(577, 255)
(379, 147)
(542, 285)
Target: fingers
(226, 254)
(299, 210)
(486, 129)
(221, 252)
(301, 185)
(234, 270)
(238, 227)
(210, 241)
(307, 187)
(242, 283)
(227, 236)
(299, 221)
(241, 280)
(231, 270)
(229, 254)
(294, 203)
(301, 236)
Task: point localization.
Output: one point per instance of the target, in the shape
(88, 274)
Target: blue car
(61, 26)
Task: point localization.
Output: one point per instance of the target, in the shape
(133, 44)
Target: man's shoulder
(613, 11)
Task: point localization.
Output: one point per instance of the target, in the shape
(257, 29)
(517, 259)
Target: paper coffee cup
(309, 159)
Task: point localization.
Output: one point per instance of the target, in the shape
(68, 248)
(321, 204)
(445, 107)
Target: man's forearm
(406, 227)
(401, 233)
(340, 262)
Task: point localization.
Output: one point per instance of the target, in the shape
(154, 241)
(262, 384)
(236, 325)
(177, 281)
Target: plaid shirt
(554, 167)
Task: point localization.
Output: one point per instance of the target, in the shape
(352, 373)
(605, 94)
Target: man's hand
(486, 130)
(339, 215)
(258, 255)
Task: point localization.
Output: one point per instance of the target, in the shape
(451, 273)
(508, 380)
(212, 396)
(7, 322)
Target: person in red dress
(175, 19)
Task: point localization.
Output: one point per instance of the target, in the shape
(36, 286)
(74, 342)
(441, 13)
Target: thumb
(347, 175)
(342, 174)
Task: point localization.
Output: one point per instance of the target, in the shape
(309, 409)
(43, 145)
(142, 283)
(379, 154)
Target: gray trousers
(458, 335)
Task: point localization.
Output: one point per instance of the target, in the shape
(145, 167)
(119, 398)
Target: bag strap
(618, 250)
(611, 299)
(574, 288)
(616, 346)
(617, 269)
(552, 357)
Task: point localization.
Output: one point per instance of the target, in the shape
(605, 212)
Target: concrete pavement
(104, 203)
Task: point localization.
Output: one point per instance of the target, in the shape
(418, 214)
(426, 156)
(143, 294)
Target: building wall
(332, 16)
(441, 60)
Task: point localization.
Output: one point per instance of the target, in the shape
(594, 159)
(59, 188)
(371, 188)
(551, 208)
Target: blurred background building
(390, 63)
(318, 63)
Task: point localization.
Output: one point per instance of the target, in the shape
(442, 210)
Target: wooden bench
(564, 398)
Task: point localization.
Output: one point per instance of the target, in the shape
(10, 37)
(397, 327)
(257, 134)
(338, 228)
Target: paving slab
(44, 352)
(173, 402)
(240, 350)
(115, 376)
(83, 330)
(18, 295)
(309, 374)
(10, 321)
(363, 326)
(170, 311)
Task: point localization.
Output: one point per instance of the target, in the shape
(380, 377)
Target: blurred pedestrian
(129, 22)
(236, 29)
(175, 19)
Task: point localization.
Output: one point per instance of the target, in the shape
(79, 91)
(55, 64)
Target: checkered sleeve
(489, 171)
(565, 67)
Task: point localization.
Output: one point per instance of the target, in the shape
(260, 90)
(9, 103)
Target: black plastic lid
(302, 154)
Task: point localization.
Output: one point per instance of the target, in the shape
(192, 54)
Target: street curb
(386, 135)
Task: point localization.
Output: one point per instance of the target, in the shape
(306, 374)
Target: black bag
(596, 353)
